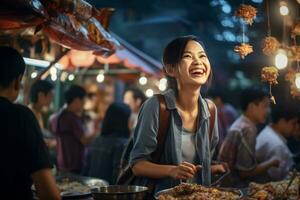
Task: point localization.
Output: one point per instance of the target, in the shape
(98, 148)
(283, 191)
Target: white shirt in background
(270, 144)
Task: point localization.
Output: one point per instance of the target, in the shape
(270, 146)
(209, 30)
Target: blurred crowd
(81, 143)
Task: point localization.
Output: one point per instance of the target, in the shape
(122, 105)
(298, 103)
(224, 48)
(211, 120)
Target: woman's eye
(187, 56)
(202, 56)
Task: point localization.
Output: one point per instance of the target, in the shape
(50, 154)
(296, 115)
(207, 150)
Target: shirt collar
(278, 134)
(248, 121)
(171, 103)
(4, 99)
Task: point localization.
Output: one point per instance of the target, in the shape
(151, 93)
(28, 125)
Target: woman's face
(194, 67)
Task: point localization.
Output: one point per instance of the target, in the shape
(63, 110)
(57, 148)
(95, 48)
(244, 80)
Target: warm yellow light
(143, 80)
(283, 9)
(149, 93)
(162, 84)
(281, 60)
(100, 78)
(71, 77)
(33, 74)
(297, 80)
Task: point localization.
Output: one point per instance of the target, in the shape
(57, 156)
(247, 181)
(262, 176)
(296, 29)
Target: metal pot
(120, 192)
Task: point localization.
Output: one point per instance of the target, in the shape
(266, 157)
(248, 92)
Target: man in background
(72, 135)
(41, 95)
(238, 148)
(272, 141)
(134, 97)
(24, 155)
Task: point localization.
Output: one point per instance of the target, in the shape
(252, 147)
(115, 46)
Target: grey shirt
(188, 146)
(145, 141)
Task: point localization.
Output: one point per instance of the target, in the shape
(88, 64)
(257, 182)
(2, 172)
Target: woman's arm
(151, 170)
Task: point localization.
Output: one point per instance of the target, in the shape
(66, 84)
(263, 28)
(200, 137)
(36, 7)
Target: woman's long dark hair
(116, 120)
(172, 56)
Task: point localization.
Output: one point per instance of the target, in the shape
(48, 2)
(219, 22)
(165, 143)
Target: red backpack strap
(212, 111)
(164, 123)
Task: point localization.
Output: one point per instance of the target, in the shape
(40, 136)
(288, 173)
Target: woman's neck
(187, 99)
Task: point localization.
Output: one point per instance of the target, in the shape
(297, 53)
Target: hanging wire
(268, 17)
(243, 32)
(298, 61)
(284, 30)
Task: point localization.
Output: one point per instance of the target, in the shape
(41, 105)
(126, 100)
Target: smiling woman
(190, 139)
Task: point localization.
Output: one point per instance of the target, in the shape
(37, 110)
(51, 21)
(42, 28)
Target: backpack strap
(212, 111)
(164, 123)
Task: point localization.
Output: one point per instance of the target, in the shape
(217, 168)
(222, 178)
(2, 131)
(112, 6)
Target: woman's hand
(184, 171)
(219, 168)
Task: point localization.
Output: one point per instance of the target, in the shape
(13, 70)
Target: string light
(100, 78)
(162, 84)
(281, 59)
(143, 80)
(71, 77)
(63, 76)
(53, 77)
(283, 9)
(149, 92)
(53, 70)
(33, 74)
(297, 80)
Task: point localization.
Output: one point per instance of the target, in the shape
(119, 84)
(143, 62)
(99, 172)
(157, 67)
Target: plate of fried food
(275, 190)
(186, 191)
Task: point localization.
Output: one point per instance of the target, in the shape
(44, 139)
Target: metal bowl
(86, 181)
(120, 192)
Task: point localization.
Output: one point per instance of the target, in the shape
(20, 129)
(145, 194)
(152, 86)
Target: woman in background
(106, 151)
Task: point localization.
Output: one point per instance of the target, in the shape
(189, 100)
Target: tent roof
(128, 56)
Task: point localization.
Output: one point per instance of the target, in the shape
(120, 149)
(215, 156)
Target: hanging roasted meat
(16, 14)
(68, 31)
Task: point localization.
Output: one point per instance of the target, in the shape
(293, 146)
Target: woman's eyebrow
(199, 52)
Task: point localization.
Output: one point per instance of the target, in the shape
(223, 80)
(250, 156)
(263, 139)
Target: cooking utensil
(283, 195)
(120, 192)
(218, 181)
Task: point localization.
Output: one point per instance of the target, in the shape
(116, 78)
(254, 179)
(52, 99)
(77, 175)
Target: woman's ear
(169, 70)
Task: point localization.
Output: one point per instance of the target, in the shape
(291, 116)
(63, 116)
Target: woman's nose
(196, 60)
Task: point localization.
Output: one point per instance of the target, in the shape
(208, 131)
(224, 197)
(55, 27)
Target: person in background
(293, 143)
(238, 148)
(272, 141)
(71, 133)
(105, 152)
(189, 143)
(134, 97)
(24, 155)
(227, 114)
(41, 95)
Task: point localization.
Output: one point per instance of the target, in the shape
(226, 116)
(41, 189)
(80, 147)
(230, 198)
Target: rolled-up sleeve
(145, 133)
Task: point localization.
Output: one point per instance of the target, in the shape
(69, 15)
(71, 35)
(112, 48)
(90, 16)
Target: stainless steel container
(120, 192)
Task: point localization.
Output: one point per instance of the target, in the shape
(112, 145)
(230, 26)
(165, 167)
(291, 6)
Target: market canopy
(128, 56)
